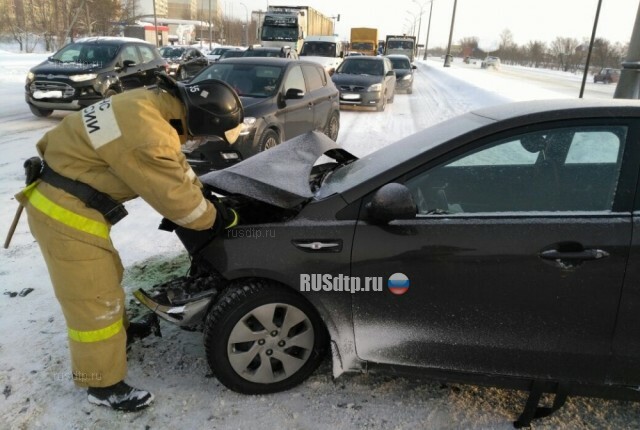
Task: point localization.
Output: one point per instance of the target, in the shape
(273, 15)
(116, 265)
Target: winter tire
(41, 113)
(268, 140)
(333, 126)
(383, 103)
(262, 338)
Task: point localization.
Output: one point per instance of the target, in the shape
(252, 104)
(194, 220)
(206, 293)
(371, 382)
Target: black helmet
(213, 108)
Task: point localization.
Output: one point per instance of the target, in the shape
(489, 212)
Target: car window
(314, 78)
(567, 169)
(86, 53)
(129, 53)
(400, 63)
(147, 54)
(246, 79)
(294, 79)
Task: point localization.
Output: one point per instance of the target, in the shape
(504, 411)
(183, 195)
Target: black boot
(143, 327)
(120, 397)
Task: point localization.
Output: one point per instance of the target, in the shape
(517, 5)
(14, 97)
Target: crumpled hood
(279, 176)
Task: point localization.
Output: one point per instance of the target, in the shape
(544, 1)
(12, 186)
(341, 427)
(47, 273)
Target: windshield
(279, 33)
(86, 53)
(400, 63)
(362, 46)
(376, 163)
(399, 44)
(247, 80)
(218, 51)
(318, 49)
(232, 54)
(170, 52)
(357, 66)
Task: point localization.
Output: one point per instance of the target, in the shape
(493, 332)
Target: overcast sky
(527, 19)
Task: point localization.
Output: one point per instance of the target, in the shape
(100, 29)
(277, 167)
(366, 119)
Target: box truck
(289, 25)
(364, 40)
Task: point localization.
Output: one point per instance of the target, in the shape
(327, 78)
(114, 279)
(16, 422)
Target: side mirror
(294, 93)
(392, 201)
(413, 66)
(391, 73)
(128, 63)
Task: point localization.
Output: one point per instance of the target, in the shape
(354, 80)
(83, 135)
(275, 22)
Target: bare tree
(564, 50)
(536, 51)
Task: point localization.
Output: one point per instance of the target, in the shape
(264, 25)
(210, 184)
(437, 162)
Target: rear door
(298, 113)
(151, 63)
(134, 75)
(516, 258)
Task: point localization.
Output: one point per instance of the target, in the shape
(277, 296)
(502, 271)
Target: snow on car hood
(279, 176)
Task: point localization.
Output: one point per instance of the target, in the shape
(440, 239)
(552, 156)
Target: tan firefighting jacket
(125, 147)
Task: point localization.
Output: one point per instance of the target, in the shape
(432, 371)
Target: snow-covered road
(34, 370)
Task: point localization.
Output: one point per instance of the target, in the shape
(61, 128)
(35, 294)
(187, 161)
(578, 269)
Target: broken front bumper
(184, 301)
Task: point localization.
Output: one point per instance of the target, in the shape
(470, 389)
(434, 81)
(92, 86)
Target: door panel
(485, 293)
(298, 113)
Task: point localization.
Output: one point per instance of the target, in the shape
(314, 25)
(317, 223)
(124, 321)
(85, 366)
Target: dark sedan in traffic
(282, 98)
(404, 72)
(365, 81)
(499, 247)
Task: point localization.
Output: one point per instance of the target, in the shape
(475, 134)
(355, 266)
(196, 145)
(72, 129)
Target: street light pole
(426, 43)
(246, 29)
(447, 58)
(210, 29)
(419, 24)
(629, 84)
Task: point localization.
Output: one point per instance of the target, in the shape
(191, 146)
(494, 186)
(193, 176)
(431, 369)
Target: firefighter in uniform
(113, 151)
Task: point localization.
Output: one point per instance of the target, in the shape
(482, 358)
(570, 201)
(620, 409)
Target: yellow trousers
(87, 283)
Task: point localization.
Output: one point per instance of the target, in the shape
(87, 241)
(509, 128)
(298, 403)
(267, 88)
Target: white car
(214, 54)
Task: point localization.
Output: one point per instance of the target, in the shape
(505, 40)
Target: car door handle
(587, 254)
(310, 245)
(310, 105)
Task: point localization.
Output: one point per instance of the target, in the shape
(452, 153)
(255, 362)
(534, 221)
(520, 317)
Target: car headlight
(375, 87)
(85, 77)
(406, 77)
(30, 77)
(248, 125)
(174, 65)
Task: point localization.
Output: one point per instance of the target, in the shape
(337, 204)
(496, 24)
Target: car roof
(398, 56)
(267, 61)
(111, 40)
(365, 58)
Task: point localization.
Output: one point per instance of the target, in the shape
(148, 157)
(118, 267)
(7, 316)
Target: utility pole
(629, 84)
(210, 28)
(426, 43)
(447, 58)
(155, 22)
(246, 28)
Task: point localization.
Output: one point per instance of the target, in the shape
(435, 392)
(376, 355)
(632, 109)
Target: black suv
(271, 51)
(88, 70)
(184, 61)
(281, 99)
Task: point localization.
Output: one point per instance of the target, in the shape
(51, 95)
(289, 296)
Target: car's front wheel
(382, 104)
(109, 93)
(41, 113)
(268, 140)
(263, 338)
(333, 126)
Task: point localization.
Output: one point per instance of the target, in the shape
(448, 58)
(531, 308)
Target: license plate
(351, 96)
(47, 94)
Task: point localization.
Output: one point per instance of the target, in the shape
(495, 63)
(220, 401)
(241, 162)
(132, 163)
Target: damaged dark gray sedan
(495, 248)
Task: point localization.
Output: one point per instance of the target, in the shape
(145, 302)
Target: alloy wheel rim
(270, 343)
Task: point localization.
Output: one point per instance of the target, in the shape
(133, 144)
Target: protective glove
(225, 217)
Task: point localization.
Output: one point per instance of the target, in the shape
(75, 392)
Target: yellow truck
(364, 40)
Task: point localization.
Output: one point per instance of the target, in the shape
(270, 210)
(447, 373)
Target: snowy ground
(34, 369)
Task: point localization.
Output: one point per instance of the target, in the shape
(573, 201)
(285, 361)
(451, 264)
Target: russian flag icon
(398, 284)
